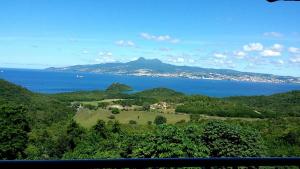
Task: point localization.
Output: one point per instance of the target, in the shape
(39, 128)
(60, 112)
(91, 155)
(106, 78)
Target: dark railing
(152, 163)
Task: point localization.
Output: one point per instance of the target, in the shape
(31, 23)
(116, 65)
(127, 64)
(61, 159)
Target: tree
(169, 142)
(115, 111)
(90, 106)
(132, 122)
(146, 106)
(14, 128)
(227, 140)
(111, 117)
(194, 117)
(101, 129)
(103, 105)
(116, 127)
(160, 120)
(74, 133)
(76, 105)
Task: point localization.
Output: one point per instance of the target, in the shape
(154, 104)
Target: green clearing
(88, 118)
(95, 103)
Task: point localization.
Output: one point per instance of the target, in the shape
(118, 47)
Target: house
(160, 105)
(116, 106)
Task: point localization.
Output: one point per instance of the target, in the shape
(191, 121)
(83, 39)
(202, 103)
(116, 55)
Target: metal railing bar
(151, 162)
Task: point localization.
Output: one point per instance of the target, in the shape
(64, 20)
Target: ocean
(57, 82)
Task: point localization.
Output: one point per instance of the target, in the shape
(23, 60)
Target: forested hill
(13, 93)
(284, 103)
(41, 109)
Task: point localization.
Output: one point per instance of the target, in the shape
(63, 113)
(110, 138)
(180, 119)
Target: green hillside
(216, 107)
(42, 109)
(52, 126)
(118, 88)
(282, 104)
(13, 93)
(161, 94)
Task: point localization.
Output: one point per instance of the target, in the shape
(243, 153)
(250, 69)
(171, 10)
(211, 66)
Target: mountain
(156, 68)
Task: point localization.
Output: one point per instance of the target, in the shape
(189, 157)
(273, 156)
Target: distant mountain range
(156, 68)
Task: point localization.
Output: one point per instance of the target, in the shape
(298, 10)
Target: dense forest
(43, 126)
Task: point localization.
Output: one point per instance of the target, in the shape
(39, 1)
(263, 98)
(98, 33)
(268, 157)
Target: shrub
(160, 120)
(90, 107)
(115, 111)
(181, 121)
(149, 122)
(132, 122)
(116, 127)
(227, 140)
(111, 117)
(169, 141)
(194, 117)
(146, 106)
(103, 105)
(101, 129)
(14, 129)
(76, 105)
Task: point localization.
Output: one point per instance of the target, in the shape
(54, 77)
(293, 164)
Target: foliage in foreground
(165, 141)
(14, 128)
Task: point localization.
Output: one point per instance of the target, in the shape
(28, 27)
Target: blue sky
(245, 35)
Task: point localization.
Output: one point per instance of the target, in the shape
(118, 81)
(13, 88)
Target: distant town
(156, 68)
(213, 76)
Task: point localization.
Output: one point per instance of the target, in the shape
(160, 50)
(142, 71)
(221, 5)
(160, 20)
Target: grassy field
(88, 118)
(95, 103)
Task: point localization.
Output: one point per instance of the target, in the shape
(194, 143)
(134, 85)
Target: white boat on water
(79, 76)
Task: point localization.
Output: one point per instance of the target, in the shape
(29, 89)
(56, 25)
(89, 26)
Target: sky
(244, 35)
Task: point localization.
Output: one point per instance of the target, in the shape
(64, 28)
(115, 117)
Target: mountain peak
(141, 59)
(144, 60)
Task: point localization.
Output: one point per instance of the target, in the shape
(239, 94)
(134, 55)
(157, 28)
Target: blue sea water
(56, 82)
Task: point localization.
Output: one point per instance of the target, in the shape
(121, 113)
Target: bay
(57, 82)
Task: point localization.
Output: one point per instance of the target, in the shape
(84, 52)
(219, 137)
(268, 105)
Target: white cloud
(224, 63)
(85, 52)
(105, 54)
(220, 55)
(165, 38)
(176, 60)
(253, 47)
(164, 49)
(280, 62)
(295, 59)
(270, 53)
(105, 57)
(294, 50)
(274, 50)
(125, 43)
(180, 59)
(273, 34)
(239, 54)
(277, 47)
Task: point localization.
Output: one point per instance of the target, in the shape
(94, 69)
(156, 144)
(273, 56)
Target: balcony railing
(152, 163)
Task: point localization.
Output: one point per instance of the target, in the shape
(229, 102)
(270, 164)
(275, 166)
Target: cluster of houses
(160, 105)
(155, 106)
